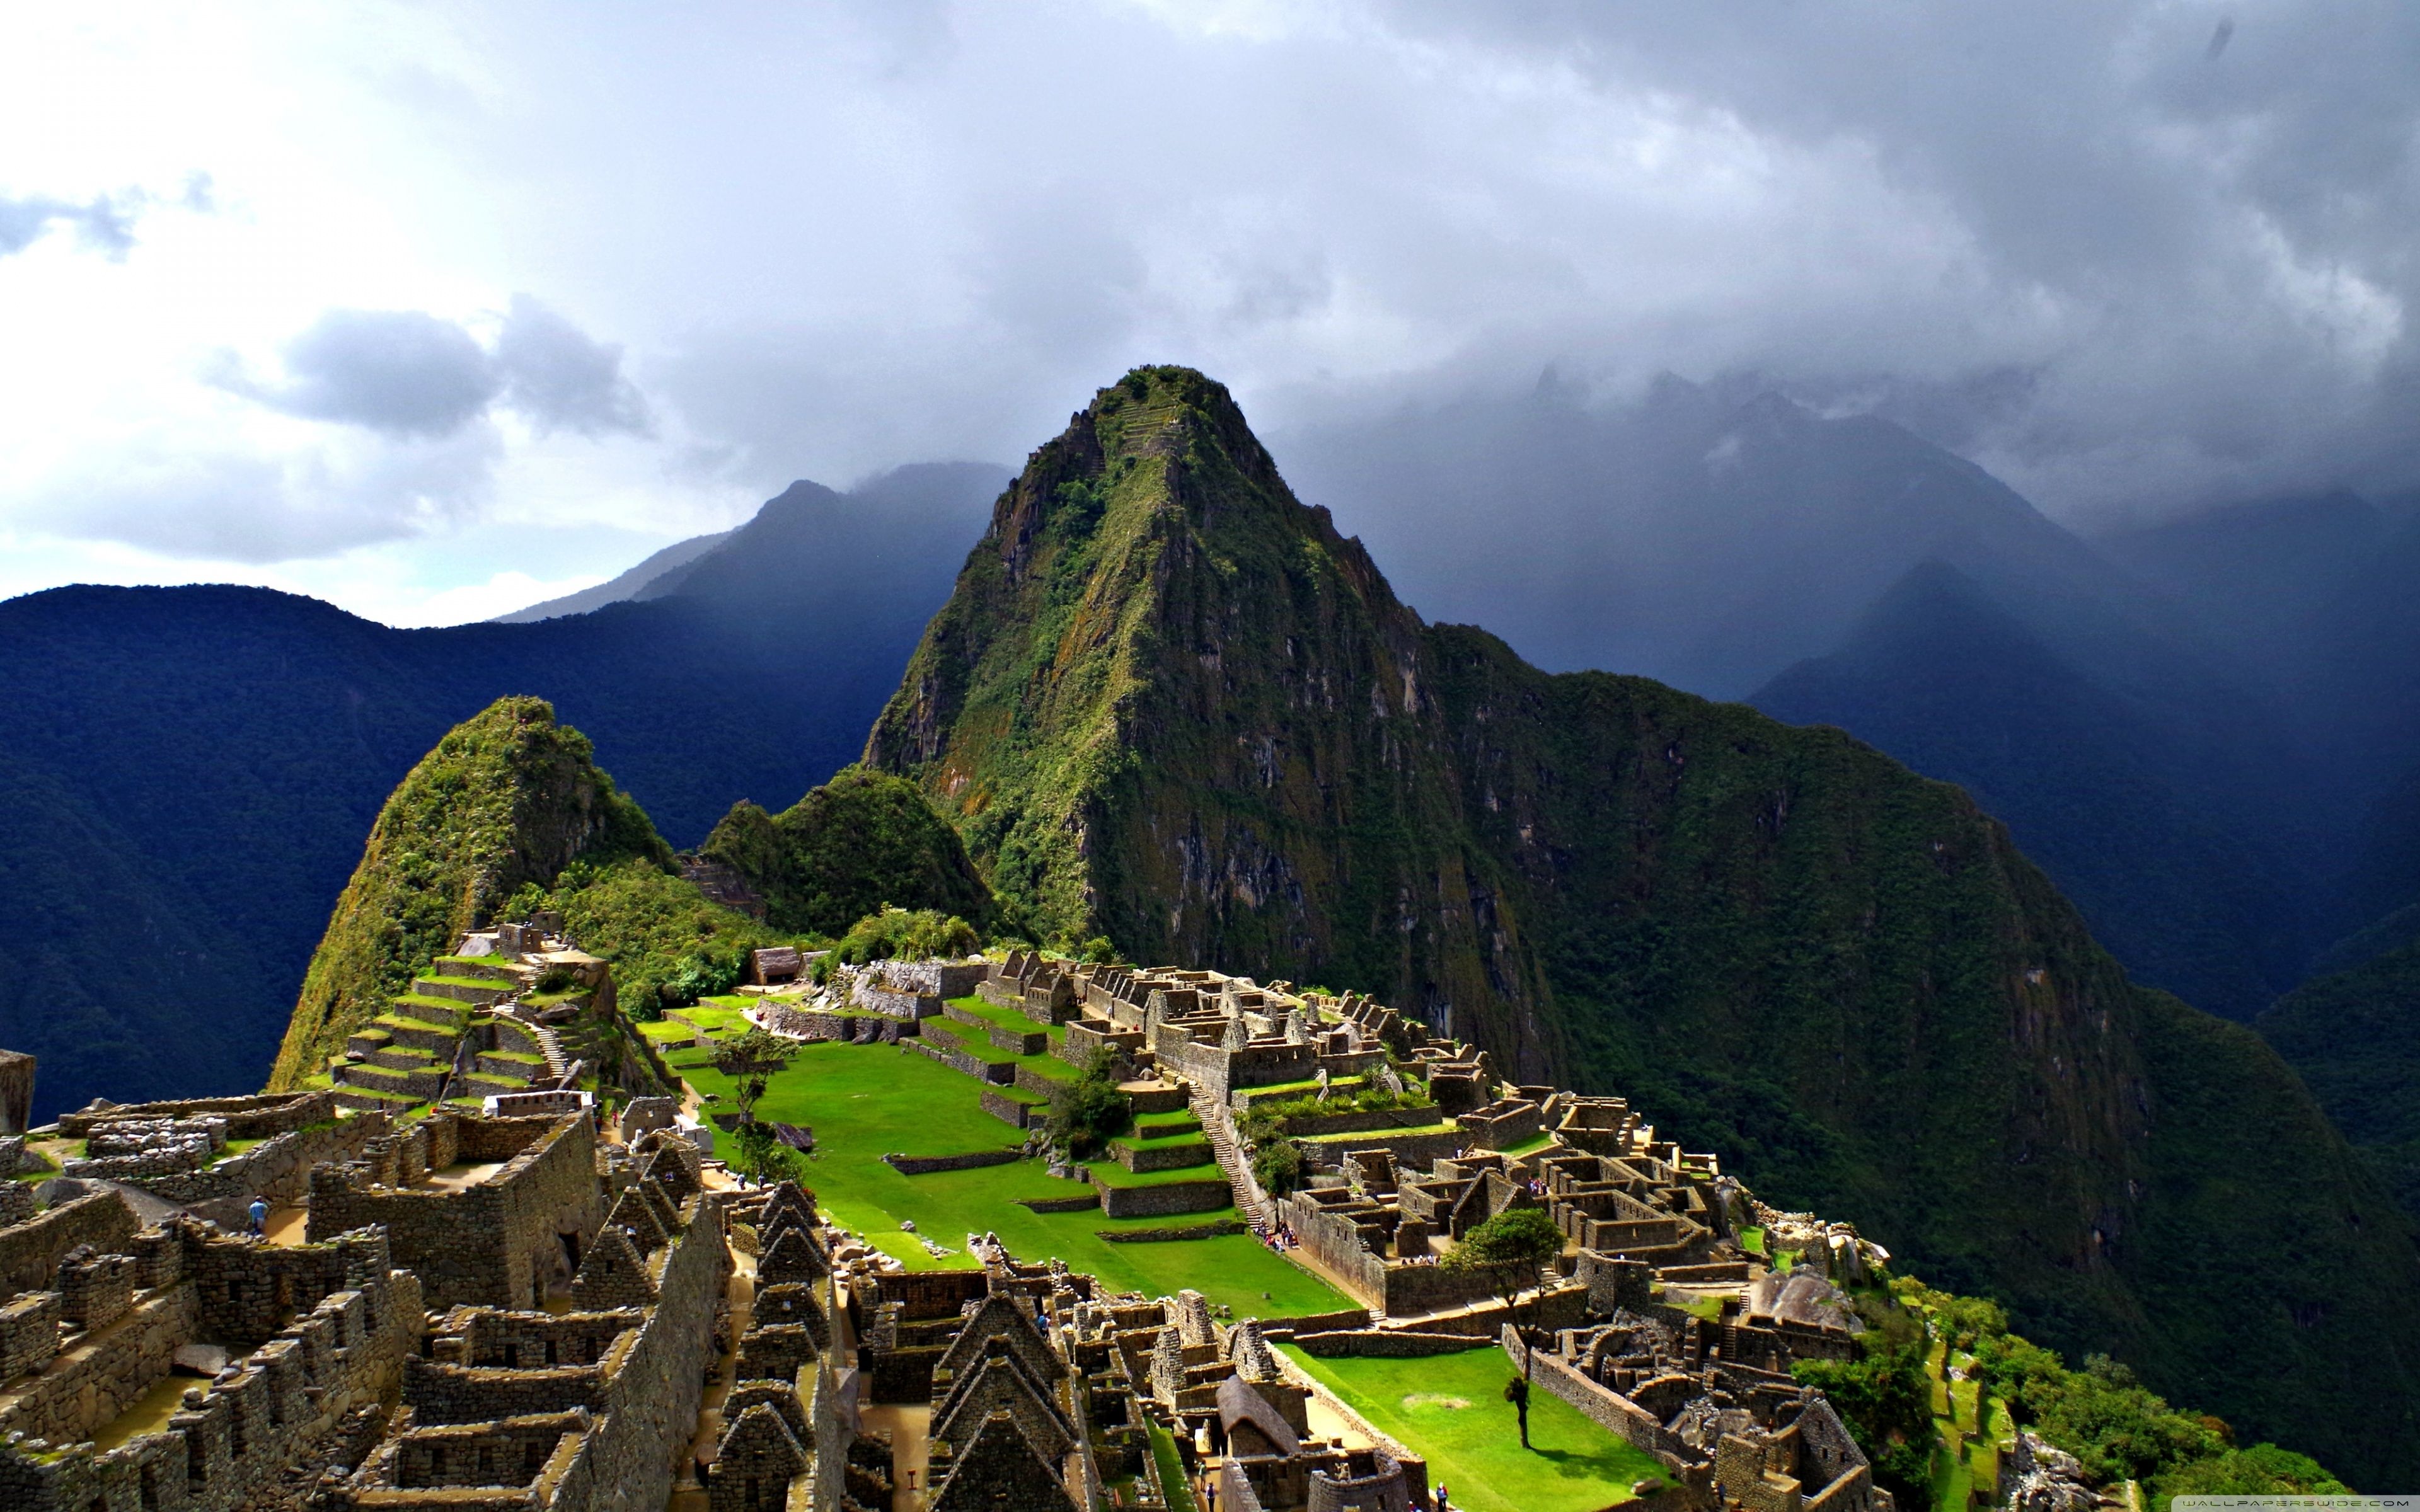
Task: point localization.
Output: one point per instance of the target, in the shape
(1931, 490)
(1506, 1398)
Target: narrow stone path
(687, 1494)
(550, 1044)
(1220, 1131)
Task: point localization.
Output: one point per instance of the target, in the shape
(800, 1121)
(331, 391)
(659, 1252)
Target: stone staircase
(1220, 1131)
(550, 1044)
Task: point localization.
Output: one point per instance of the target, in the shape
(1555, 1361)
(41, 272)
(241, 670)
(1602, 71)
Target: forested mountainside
(2180, 857)
(860, 842)
(1171, 704)
(2354, 1036)
(190, 770)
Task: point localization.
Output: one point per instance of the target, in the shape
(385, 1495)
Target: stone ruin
(484, 1312)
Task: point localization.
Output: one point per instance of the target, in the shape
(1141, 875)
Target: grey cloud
(104, 223)
(2191, 230)
(411, 375)
(560, 379)
(240, 506)
(398, 371)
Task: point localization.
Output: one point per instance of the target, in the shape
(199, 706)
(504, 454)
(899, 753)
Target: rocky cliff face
(507, 798)
(1168, 703)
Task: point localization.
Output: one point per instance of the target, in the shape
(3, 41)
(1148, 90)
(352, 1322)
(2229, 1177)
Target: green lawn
(1366, 1135)
(1173, 1487)
(1450, 1409)
(866, 1100)
(1008, 1018)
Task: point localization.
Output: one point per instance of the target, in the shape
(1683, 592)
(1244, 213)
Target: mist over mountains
(2200, 730)
(2204, 782)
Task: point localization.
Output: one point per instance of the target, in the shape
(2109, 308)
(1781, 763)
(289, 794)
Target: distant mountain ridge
(1170, 703)
(190, 770)
(639, 583)
(2185, 875)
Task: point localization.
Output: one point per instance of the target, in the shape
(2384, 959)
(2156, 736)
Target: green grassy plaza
(1451, 1409)
(864, 1101)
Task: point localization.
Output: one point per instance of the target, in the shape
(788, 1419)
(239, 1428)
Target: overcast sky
(433, 310)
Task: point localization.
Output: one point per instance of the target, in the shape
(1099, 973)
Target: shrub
(669, 945)
(1277, 1164)
(1088, 1111)
(2263, 1470)
(1884, 1396)
(905, 934)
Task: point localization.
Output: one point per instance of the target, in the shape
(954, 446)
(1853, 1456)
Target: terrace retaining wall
(1013, 1111)
(926, 1165)
(1165, 1199)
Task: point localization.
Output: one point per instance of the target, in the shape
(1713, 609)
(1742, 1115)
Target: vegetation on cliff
(2355, 1039)
(1170, 706)
(507, 799)
(669, 943)
(861, 841)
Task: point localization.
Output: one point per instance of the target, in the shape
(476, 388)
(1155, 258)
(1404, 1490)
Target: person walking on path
(259, 1210)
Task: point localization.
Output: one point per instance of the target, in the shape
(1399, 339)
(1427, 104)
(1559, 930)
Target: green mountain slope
(1171, 704)
(860, 842)
(2355, 1038)
(507, 798)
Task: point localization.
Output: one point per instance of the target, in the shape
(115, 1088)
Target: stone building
(237, 1360)
(585, 1410)
(493, 1211)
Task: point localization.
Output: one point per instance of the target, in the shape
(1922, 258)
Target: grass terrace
(1008, 1018)
(864, 1102)
(1288, 1091)
(1366, 1135)
(1450, 1409)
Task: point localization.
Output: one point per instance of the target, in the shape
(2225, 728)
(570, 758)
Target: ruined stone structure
(516, 1227)
(587, 1410)
(239, 1359)
(513, 1313)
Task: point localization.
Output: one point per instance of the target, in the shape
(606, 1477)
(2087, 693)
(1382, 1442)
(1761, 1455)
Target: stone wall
(1313, 1125)
(279, 1169)
(653, 1401)
(234, 1438)
(937, 979)
(97, 1377)
(999, 1073)
(262, 1115)
(1390, 1343)
(1164, 1199)
(497, 1242)
(1600, 1405)
(814, 1024)
(30, 1252)
(16, 1092)
(926, 1165)
(1412, 1151)
(1013, 1111)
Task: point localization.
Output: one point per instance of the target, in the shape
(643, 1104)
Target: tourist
(259, 1211)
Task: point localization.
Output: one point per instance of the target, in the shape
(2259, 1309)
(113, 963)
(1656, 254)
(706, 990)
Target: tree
(1508, 1251)
(750, 1060)
(757, 1151)
(1088, 1111)
(1885, 1398)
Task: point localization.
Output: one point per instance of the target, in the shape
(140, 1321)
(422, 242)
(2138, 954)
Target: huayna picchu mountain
(1170, 705)
(505, 800)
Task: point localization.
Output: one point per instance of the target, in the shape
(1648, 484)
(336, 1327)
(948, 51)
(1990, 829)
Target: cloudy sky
(435, 310)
